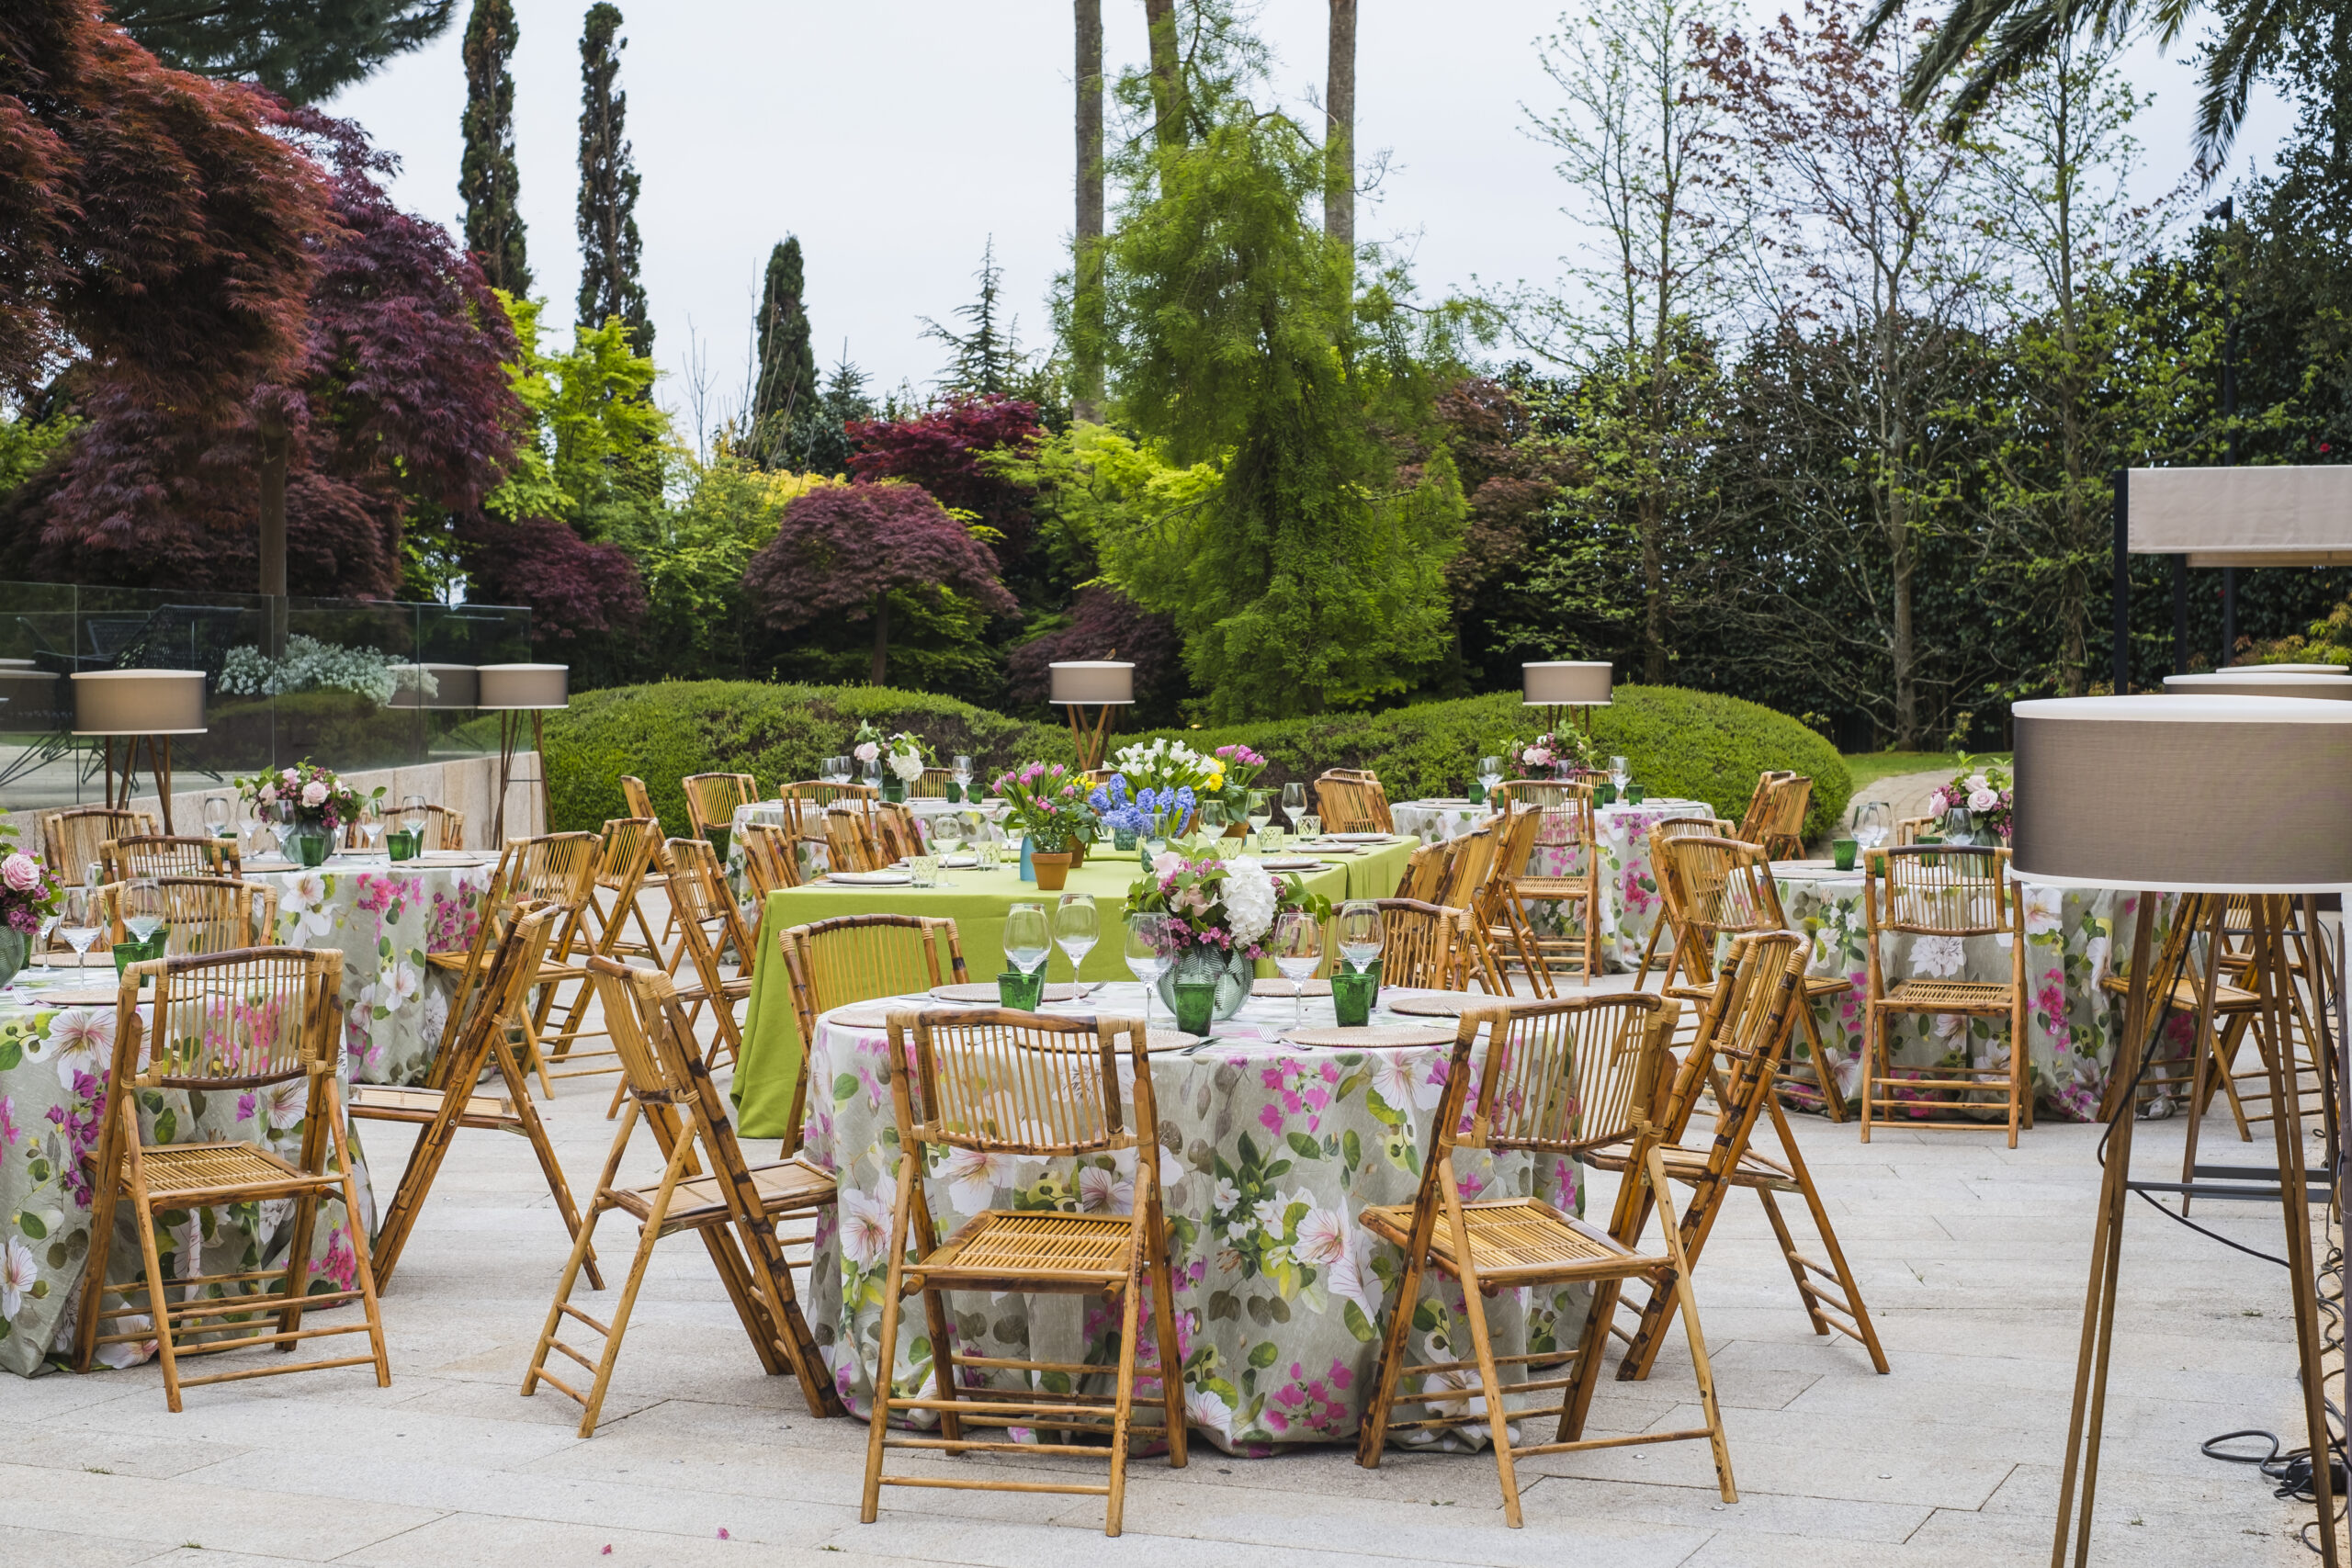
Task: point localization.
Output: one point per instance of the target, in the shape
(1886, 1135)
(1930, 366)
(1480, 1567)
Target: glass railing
(350, 684)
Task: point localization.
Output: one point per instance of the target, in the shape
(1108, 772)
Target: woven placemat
(76, 997)
(986, 991)
(1284, 989)
(74, 960)
(1380, 1036)
(1440, 1004)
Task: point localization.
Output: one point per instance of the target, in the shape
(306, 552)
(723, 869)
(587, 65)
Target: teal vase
(1028, 848)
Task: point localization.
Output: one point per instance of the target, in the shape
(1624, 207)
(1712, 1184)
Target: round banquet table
(385, 916)
(1629, 895)
(53, 1064)
(1267, 1153)
(2072, 1026)
(811, 855)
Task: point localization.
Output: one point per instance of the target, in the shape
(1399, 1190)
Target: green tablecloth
(763, 1078)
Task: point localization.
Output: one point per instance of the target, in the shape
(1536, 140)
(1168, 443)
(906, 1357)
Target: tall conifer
(609, 183)
(787, 366)
(487, 177)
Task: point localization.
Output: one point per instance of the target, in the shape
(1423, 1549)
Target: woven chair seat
(1518, 1238)
(734, 990)
(1550, 887)
(784, 1186)
(1687, 1164)
(1814, 985)
(2186, 994)
(1040, 1248)
(456, 961)
(176, 1168)
(1948, 996)
(376, 1102)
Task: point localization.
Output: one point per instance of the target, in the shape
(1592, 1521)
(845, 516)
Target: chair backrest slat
(1424, 946)
(1938, 889)
(243, 1018)
(1005, 1082)
(144, 854)
(75, 840)
(711, 799)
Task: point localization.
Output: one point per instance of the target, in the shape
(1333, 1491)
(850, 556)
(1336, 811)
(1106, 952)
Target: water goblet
(1210, 825)
(281, 825)
(216, 816)
(1262, 813)
(413, 813)
(1620, 774)
(1149, 941)
(78, 919)
(142, 909)
(1360, 933)
(1490, 772)
(1078, 925)
(1294, 805)
(959, 768)
(1028, 937)
(1297, 949)
(371, 822)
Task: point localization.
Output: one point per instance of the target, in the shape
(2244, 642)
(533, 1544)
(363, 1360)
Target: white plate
(1359, 837)
(1292, 863)
(869, 878)
(1448, 801)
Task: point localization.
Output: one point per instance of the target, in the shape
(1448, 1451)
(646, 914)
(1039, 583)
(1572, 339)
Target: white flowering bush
(1164, 764)
(311, 665)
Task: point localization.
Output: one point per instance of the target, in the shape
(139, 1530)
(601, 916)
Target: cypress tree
(609, 184)
(487, 178)
(787, 375)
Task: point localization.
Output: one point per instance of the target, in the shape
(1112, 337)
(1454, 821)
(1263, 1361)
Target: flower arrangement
(320, 799)
(1163, 765)
(1242, 766)
(1048, 803)
(1227, 905)
(1114, 811)
(1986, 793)
(1536, 759)
(27, 888)
(905, 755)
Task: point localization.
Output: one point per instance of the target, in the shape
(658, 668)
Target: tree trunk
(274, 442)
(1086, 401)
(1166, 72)
(1339, 131)
(881, 639)
(1904, 655)
(1654, 586)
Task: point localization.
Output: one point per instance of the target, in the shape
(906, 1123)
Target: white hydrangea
(908, 765)
(1249, 899)
(312, 665)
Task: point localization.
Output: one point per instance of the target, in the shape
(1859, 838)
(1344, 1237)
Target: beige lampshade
(2260, 683)
(1581, 682)
(2185, 793)
(30, 695)
(138, 701)
(524, 686)
(453, 686)
(1097, 683)
(2289, 669)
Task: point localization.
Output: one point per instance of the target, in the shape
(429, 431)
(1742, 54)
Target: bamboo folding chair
(997, 1082)
(441, 829)
(1565, 827)
(709, 925)
(734, 1207)
(555, 868)
(849, 843)
(203, 915)
(1783, 832)
(1943, 891)
(1498, 914)
(625, 853)
(1345, 802)
(860, 958)
(771, 860)
(452, 1099)
(897, 833)
(1557, 1078)
(74, 841)
(1429, 947)
(639, 802)
(1424, 873)
(711, 799)
(1909, 829)
(156, 855)
(2308, 986)
(1756, 822)
(1746, 1029)
(821, 793)
(1672, 827)
(1718, 889)
(226, 1022)
(1469, 861)
(933, 785)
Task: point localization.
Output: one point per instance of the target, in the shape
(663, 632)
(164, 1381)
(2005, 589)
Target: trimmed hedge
(1678, 743)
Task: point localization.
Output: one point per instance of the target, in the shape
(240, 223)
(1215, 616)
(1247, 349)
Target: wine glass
(873, 774)
(1261, 814)
(216, 816)
(1028, 939)
(1297, 949)
(78, 919)
(371, 822)
(1077, 928)
(1211, 824)
(1360, 933)
(959, 768)
(1148, 942)
(1620, 775)
(281, 825)
(1490, 772)
(1869, 826)
(1294, 804)
(142, 909)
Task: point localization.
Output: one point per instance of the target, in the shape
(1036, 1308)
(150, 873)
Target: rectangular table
(976, 903)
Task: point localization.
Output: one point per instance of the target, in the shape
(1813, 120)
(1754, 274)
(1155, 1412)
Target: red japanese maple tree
(939, 450)
(843, 551)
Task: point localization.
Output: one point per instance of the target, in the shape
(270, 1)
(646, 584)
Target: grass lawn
(1868, 767)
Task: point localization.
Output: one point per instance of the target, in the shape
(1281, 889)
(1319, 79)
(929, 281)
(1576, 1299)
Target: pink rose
(314, 793)
(867, 752)
(1167, 863)
(268, 793)
(22, 872)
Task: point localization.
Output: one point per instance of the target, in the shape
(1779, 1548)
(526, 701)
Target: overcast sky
(896, 139)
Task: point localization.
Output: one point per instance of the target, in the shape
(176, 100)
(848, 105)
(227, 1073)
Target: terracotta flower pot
(1077, 853)
(1052, 871)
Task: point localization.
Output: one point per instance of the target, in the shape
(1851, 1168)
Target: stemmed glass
(142, 909)
(1261, 814)
(1361, 933)
(1077, 928)
(1211, 824)
(1869, 824)
(1490, 774)
(1297, 949)
(78, 919)
(1620, 775)
(873, 774)
(1148, 942)
(216, 816)
(372, 823)
(1027, 939)
(281, 825)
(959, 768)
(1294, 805)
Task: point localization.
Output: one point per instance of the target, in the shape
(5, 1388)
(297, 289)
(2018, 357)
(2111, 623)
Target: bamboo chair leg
(947, 1379)
(1699, 1364)
(2228, 1048)
(743, 1291)
(1788, 1256)
(886, 1349)
(1474, 1307)
(158, 1302)
(1873, 1019)
(1822, 1227)
(537, 1133)
(1372, 1438)
(298, 1259)
(362, 1269)
(620, 1093)
(1576, 1401)
(1123, 1409)
(571, 1275)
(650, 1234)
(1649, 951)
(1825, 1081)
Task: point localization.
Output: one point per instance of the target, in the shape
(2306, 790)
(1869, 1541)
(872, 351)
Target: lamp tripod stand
(510, 739)
(2288, 1183)
(1091, 738)
(159, 765)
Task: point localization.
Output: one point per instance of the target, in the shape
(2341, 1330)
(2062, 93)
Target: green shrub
(1678, 743)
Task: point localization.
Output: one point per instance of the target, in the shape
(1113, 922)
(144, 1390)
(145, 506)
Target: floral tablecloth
(1629, 895)
(54, 1064)
(384, 916)
(1267, 1153)
(2072, 1026)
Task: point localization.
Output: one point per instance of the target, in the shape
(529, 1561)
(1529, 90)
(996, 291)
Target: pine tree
(487, 177)
(609, 183)
(988, 358)
(786, 387)
(301, 49)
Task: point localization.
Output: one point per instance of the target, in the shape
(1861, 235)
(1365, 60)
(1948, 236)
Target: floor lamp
(1567, 684)
(1101, 684)
(2225, 794)
(511, 691)
(139, 705)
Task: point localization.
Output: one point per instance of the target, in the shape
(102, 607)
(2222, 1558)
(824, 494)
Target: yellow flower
(1217, 779)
